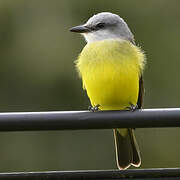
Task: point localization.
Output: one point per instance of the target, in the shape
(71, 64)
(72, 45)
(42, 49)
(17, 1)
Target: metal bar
(76, 120)
(140, 174)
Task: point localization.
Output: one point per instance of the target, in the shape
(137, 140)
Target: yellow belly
(110, 71)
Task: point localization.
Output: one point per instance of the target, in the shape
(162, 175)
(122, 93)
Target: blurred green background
(37, 73)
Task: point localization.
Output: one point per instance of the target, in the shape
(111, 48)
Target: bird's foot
(94, 108)
(132, 107)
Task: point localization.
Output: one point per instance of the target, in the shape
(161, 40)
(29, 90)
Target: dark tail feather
(127, 150)
(136, 152)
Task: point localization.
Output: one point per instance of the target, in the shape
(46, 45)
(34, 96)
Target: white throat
(99, 36)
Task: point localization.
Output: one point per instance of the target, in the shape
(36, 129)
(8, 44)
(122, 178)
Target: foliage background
(37, 74)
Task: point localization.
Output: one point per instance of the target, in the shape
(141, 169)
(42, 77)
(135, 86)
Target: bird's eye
(100, 25)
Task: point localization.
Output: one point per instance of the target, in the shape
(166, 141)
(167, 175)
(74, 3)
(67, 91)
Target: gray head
(104, 25)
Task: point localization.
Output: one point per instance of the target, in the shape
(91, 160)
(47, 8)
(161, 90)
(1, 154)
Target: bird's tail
(127, 150)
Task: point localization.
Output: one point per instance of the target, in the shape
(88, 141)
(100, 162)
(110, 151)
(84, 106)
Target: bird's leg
(132, 107)
(94, 108)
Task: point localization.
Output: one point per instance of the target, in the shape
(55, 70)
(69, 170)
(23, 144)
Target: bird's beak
(80, 29)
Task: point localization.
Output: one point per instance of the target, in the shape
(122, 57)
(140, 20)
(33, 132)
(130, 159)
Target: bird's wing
(141, 93)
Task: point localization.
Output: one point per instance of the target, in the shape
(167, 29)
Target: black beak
(80, 29)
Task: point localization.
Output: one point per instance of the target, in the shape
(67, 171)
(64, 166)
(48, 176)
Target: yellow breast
(110, 71)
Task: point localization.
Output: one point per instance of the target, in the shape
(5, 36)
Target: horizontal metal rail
(76, 120)
(140, 174)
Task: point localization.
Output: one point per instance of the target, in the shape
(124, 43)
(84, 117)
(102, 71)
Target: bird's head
(103, 26)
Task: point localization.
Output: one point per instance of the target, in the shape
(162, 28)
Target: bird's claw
(132, 107)
(94, 108)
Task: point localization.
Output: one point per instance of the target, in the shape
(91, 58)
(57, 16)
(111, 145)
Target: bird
(111, 68)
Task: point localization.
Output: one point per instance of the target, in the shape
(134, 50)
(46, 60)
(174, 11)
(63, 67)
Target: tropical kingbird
(111, 67)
